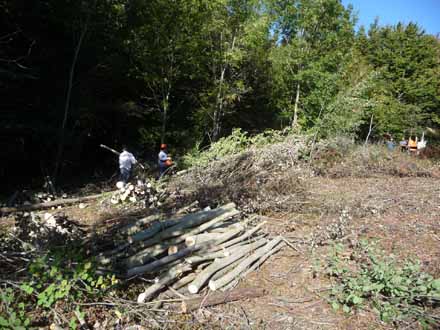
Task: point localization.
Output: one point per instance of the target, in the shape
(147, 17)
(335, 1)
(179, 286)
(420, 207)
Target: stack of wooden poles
(210, 248)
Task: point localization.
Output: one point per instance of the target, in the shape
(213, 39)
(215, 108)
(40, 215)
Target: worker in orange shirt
(164, 160)
(412, 144)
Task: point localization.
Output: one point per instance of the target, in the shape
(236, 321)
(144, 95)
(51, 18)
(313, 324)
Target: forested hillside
(74, 74)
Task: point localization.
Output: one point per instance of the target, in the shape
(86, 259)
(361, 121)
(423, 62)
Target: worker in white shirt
(126, 162)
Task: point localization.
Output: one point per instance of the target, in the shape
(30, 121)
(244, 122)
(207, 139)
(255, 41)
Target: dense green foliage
(235, 143)
(74, 74)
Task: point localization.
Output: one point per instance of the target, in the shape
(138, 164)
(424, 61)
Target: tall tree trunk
(295, 108)
(165, 109)
(369, 130)
(218, 112)
(60, 151)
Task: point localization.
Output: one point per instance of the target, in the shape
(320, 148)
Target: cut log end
(173, 249)
(212, 285)
(193, 288)
(190, 241)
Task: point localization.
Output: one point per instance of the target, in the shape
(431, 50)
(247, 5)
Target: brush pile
(145, 193)
(259, 179)
(213, 248)
(42, 230)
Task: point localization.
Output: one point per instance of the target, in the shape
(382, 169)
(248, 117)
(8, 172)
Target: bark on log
(241, 238)
(48, 205)
(220, 253)
(222, 227)
(108, 256)
(217, 298)
(188, 221)
(163, 281)
(225, 270)
(263, 259)
(153, 230)
(155, 265)
(147, 254)
(187, 208)
(209, 224)
(184, 281)
(246, 241)
(193, 260)
(254, 266)
(200, 238)
(218, 264)
(167, 229)
(244, 265)
(177, 235)
(139, 225)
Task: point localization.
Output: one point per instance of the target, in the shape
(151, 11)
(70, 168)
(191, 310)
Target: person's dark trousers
(125, 175)
(162, 169)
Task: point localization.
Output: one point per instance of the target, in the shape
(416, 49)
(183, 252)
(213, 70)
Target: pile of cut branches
(258, 179)
(213, 248)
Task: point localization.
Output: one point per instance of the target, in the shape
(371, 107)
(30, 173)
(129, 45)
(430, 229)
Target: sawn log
(48, 205)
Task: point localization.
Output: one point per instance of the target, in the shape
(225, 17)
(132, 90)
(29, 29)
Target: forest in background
(75, 74)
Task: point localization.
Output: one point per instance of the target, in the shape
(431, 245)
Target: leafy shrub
(59, 276)
(58, 279)
(395, 292)
(233, 144)
(13, 311)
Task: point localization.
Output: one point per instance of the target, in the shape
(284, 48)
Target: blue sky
(424, 12)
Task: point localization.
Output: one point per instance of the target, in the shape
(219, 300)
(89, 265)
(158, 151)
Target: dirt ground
(401, 214)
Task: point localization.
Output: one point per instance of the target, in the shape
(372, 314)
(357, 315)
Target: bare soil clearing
(401, 214)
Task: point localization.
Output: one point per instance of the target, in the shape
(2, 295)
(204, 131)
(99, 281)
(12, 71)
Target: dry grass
(370, 161)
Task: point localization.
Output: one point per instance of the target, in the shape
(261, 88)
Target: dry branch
(215, 285)
(48, 205)
(241, 238)
(218, 264)
(225, 270)
(217, 298)
(211, 256)
(163, 281)
(184, 281)
(255, 266)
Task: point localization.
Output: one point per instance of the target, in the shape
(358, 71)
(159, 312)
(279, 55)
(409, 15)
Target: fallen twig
(217, 298)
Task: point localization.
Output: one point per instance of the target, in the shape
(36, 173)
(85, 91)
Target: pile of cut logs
(209, 248)
(141, 192)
